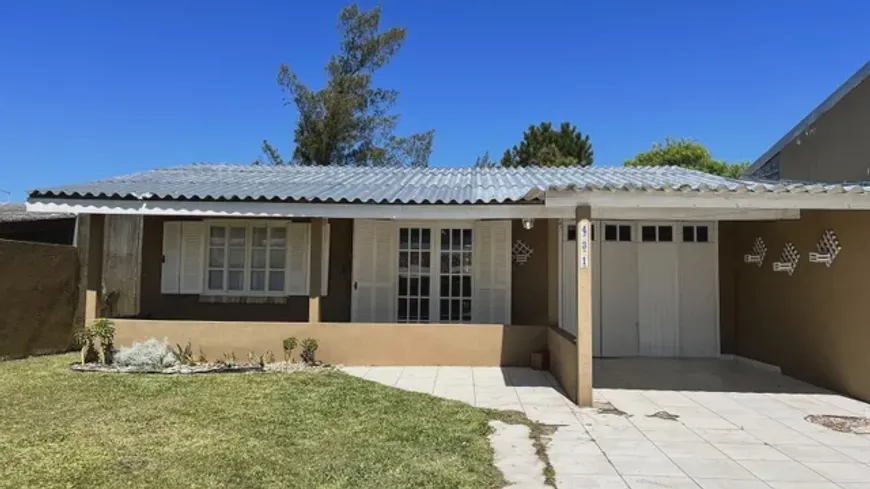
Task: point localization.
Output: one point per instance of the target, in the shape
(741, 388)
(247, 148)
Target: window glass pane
(445, 262)
(466, 310)
(610, 232)
(648, 233)
(466, 286)
(466, 239)
(258, 258)
(424, 286)
(216, 257)
(276, 258)
(572, 233)
(237, 236)
(466, 262)
(403, 262)
(259, 237)
(688, 234)
(424, 262)
(414, 309)
(666, 233)
(237, 258)
(415, 286)
(445, 239)
(215, 280)
(456, 239)
(454, 310)
(415, 239)
(217, 236)
(426, 239)
(593, 232)
(258, 280)
(279, 237)
(276, 281)
(403, 309)
(236, 280)
(424, 309)
(624, 233)
(702, 234)
(455, 283)
(444, 310)
(403, 285)
(455, 262)
(445, 286)
(403, 239)
(415, 262)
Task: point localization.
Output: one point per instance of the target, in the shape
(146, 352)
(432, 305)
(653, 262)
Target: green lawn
(308, 430)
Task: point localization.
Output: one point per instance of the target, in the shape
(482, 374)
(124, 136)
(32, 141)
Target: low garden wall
(37, 298)
(563, 360)
(352, 343)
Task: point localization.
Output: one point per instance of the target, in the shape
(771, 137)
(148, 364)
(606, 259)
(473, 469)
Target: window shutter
(297, 258)
(491, 267)
(324, 262)
(192, 257)
(374, 271)
(170, 272)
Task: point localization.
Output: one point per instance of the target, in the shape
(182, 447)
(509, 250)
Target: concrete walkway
(717, 424)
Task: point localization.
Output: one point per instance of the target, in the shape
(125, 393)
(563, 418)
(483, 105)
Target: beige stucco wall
(563, 360)
(352, 343)
(836, 147)
(529, 284)
(813, 324)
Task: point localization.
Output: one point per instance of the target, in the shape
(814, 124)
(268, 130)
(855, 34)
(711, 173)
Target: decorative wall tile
(521, 252)
(789, 260)
(827, 248)
(759, 249)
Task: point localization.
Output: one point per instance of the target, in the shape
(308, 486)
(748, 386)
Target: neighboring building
(831, 144)
(451, 266)
(16, 223)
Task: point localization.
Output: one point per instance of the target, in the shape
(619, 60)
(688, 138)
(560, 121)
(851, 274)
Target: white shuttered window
(247, 258)
(492, 272)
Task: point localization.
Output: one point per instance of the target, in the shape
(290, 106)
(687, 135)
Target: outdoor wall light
(528, 223)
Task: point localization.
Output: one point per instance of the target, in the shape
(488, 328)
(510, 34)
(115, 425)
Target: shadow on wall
(704, 375)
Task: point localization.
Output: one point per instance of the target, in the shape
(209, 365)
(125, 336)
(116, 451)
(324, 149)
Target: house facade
(450, 266)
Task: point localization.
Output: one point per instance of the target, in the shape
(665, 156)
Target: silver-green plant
(151, 353)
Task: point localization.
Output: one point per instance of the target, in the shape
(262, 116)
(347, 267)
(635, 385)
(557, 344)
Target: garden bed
(209, 368)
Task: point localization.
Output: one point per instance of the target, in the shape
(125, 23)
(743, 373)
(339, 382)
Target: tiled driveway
(736, 426)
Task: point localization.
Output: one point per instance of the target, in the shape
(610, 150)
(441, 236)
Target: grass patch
(313, 430)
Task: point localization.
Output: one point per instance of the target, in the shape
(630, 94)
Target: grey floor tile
(647, 482)
(781, 471)
(713, 468)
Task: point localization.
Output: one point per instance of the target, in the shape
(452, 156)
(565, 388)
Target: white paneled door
(619, 299)
(699, 334)
(568, 290)
(658, 291)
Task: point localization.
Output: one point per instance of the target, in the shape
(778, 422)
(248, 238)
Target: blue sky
(99, 88)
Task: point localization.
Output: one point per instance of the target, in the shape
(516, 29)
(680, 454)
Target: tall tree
(544, 146)
(484, 161)
(348, 121)
(686, 153)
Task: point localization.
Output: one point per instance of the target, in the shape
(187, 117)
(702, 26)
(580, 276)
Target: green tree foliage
(348, 121)
(544, 146)
(686, 153)
(484, 161)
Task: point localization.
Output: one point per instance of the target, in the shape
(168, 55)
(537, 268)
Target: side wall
(813, 324)
(38, 294)
(563, 360)
(836, 148)
(529, 284)
(353, 343)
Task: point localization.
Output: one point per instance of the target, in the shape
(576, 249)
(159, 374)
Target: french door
(434, 273)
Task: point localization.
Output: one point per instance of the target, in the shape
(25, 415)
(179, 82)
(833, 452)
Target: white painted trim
(276, 209)
(707, 200)
(715, 232)
(627, 209)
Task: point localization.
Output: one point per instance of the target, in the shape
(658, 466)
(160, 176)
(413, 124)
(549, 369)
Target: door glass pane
(215, 279)
(688, 234)
(424, 310)
(466, 286)
(414, 289)
(216, 257)
(466, 310)
(666, 233)
(466, 239)
(624, 233)
(426, 239)
(276, 258)
(237, 236)
(403, 262)
(445, 286)
(414, 309)
(454, 310)
(702, 234)
(456, 239)
(455, 278)
(444, 310)
(403, 239)
(237, 258)
(279, 237)
(414, 273)
(258, 258)
(648, 233)
(403, 309)
(403, 285)
(217, 236)
(259, 237)
(424, 287)
(445, 262)
(445, 239)
(236, 280)
(610, 232)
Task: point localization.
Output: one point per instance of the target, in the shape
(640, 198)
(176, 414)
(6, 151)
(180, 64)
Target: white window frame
(435, 267)
(248, 225)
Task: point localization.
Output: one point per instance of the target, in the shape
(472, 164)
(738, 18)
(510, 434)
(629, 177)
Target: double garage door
(655, 288)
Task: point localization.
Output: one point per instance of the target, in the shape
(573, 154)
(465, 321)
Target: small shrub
(97, 337)
(184, 355)
(229, 360)
(289, 345)
(309, 349)
(201, 358)
(151, 353)
(270, 357)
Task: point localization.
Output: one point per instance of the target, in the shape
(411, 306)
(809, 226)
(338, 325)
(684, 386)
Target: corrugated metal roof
(403, 185)
(18, 213)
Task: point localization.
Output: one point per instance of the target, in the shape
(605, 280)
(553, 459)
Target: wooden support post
(314, 270)
(584, 305)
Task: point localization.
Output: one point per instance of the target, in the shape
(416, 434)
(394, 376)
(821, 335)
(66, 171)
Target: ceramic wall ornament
(789, 260)
(827, 248)
(759, 249)
(521, 252)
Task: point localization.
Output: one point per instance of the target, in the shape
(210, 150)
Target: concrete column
(314, 270)
(584, 305)
(89, 246)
